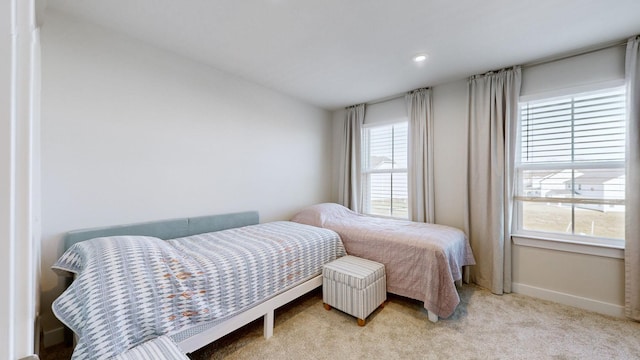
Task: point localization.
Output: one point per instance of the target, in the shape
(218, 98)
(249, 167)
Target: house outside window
(570, 169)
(384, 170)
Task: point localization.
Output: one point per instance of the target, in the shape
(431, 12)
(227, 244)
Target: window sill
(568, 246)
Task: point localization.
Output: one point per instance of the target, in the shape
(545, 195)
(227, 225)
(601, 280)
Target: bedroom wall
(133, 133)
(450, 152)
(589, 281)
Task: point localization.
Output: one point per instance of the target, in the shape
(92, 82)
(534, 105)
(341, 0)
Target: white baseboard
(568, 299)
(52, 337)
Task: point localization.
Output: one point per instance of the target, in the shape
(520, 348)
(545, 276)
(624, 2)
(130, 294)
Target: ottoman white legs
(354, 285)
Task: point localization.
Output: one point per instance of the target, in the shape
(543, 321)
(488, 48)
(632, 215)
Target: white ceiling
(335, 53)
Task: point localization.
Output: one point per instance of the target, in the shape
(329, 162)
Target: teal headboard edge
(168, 229)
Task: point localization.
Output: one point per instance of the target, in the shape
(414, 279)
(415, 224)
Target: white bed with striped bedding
(195, 289)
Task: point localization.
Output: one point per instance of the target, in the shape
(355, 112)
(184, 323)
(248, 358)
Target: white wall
(132, 133)
(450, 152)
(589, 281)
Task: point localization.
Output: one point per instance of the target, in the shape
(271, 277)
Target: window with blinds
(384, 170)
(570, 171)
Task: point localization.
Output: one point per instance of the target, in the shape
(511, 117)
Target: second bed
(422, 261)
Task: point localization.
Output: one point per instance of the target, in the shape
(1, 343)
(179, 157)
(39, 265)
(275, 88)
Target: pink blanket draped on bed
(422, 261)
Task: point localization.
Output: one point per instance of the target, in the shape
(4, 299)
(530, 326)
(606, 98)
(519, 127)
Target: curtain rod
(378, 101)
(385, 99)
(396, 96)
(583, 51)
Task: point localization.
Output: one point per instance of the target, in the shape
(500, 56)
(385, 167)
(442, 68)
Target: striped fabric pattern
(253, 263)
(354, 271)
(160, 348)
(354, 285)
(131, 289)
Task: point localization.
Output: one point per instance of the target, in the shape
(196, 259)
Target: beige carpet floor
(484, 326)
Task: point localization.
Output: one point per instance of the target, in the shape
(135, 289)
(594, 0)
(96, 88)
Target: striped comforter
(129, 289)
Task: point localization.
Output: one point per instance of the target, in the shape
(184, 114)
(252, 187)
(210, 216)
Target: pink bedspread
(422, 261)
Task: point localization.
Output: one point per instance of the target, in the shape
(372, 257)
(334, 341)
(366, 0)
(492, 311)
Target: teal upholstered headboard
(168, 229)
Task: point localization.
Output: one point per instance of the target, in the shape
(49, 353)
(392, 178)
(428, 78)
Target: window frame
(593, 245)
(366, 172)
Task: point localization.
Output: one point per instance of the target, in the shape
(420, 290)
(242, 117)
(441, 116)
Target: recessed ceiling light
(420, 58)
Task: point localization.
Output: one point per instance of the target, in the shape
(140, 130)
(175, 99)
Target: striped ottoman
(354, 285)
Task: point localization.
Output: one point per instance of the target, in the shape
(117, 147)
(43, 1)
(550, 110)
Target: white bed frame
(174, 228)
(265, 309)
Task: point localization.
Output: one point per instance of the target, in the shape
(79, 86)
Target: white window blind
(570, 173)
(384, 173)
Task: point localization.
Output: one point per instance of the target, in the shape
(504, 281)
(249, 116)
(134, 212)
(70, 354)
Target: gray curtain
(632, 220)
(492, 130)
(349, 187)
(420, 155)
